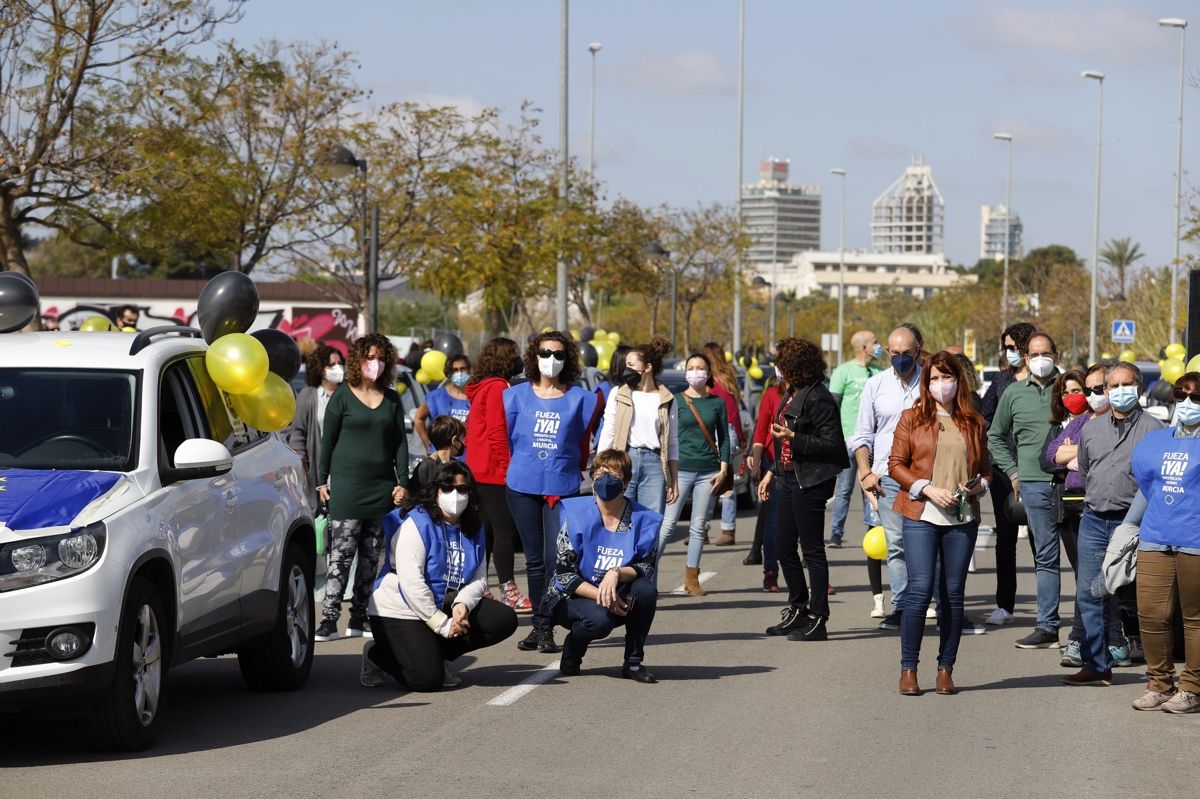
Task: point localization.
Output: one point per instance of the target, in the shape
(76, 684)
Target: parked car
(141, 525)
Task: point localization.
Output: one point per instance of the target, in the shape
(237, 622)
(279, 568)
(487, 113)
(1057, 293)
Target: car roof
(76, 350)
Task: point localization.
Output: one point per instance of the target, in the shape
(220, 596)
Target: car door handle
(231, 499)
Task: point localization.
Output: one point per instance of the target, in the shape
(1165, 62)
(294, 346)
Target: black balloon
(587, 334)
(413, 359)
(282, 352)
(228, 304)
(588, 353)
(18, 301)
(449, 344)
(1162, 391)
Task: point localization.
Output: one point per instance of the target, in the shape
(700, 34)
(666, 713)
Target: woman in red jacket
(488, 455)
(762, 457)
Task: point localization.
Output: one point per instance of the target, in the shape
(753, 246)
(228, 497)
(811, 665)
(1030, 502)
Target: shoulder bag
(726, 482)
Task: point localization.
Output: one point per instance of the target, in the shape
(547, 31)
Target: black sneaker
(1038, 639)
(835, 541)
(753, 559)
(529, 643)
(638, 674)
(892, 621)
(790, 618)
(326, 632)
(813, 629)
(546, 643)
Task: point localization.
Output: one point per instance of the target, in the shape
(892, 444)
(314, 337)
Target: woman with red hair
(939, 458)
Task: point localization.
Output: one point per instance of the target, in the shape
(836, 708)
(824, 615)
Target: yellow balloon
(237, 363)
(1176, 350)
(270, 406)
(1129, 356)
(600, 335)
(433, 363)
(401, 388)
(755, 372)
(615, 338)
(574, 334)
(1106, 356)
(547, 329)
(1173, 369)
(603, 362)
(97, 324)
(728, 356)
(422, 376)
(1194, 364)
(875, 543)
(753, 361)
(604, 350)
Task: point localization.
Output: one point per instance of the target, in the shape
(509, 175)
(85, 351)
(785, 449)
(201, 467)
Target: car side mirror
(198, 459)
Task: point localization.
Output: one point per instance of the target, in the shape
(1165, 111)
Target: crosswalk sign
(1123, 331)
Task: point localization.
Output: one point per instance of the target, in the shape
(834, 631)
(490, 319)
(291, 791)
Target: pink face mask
(372, 369)
(943, 391)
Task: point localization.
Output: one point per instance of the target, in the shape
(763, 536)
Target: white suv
(141, 525)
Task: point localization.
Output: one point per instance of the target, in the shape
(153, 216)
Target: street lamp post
(741, 113)
(593, 48)
(841, 266)
(1181, 24)
(338, 163)
(1099, 78)
(560, 316)
(1006, 137)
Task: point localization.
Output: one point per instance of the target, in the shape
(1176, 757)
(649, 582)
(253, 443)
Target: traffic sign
(1123, 331)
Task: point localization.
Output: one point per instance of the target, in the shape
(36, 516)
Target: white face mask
(335, 373)
(778, 374)
(550, 367)
(1097, 402)
(452, 503)
(1041, 366)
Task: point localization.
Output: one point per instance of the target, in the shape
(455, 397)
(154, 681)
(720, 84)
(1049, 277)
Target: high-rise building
(780, 218)
(907, 219)
(993, 219)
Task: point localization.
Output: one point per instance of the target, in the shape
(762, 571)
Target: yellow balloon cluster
(237, 363)
(97, 324)
(1173, 369)
(1128, 356)
(1194, 364)
(1176, 350)
(269, 407)
(875, 543)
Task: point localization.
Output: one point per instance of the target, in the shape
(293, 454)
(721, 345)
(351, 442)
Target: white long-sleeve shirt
(645, 430)
(884, 397)
(407, 595)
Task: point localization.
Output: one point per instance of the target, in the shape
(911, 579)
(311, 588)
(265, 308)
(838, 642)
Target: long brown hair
(962, 411)
(721, 371)
(1058, 411)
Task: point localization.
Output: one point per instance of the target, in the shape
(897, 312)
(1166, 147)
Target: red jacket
(768, 409)
(487, 431)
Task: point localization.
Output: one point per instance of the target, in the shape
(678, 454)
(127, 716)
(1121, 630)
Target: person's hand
(399, 495)
(972, 491)
(1073, 465)
(873, 500)
(752, 466)
(719, 476)
(459, 625)
(781, 431)
(606, 592)
(870, 484)
(1016, 487)
(939, 496)
(764, 487)
(673, 493)
(619, 608)
(323, 493)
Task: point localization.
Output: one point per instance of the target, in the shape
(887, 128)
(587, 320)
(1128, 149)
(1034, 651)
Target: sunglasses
(1181, 395)
(463, 490)
(1097, 390)
(558, 355)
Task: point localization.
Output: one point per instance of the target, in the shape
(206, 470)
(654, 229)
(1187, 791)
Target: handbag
(726, 482)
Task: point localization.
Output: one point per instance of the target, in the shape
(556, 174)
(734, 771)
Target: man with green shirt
(846, 384)
(1024, 411)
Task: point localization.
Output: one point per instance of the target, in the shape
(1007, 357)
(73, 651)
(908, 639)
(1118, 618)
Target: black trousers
(501, 532)
(1006, 544)
(800, 529)
(412, 653)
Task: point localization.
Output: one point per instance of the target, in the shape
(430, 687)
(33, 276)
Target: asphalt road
(735, 714)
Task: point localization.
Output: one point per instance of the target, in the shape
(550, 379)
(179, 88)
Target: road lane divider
(539, 677)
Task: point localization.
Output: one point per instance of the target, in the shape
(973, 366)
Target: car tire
(282, 659)
(128, 717)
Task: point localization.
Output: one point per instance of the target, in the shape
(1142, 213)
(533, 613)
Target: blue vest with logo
(546, 439)
(600, 550)
(451, 556)
(1167, 470)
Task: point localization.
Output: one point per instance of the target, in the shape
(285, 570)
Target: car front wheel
(282, 659)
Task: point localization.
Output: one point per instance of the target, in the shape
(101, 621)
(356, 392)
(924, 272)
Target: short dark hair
(1040, 334)
(615, 460)
(707, 366)
(315, 363)
(1020, 333)
(570, 372)
(1058, 411)
(443, 476)
(458, 356)
(1137, 373)
(443, 429)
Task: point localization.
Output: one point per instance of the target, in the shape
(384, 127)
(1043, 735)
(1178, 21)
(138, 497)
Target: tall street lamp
(1181, 24)
(1006, 137)
(1099, 78)
(560, 315)
(741, 113)
(593, 48)
(841, 266)
(339, 163)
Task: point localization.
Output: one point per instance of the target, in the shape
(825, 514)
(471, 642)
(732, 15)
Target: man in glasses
(1023, 414)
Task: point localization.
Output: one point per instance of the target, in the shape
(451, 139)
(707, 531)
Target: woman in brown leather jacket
(940, 459)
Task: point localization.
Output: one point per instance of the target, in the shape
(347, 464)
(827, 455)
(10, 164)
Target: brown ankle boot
(945, 682)
(726, 539)
(691, 581)
(908, 683)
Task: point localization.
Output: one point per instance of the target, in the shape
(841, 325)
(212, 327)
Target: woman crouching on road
(604, 575)
(428, 607)
(940, 460)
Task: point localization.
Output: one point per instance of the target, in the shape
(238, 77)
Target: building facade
(909, 217)
(867, 274)
(780, 218)
(993, 222)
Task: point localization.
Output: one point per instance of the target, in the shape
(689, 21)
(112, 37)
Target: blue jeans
(893, 528)
(588, 621)
(1095, 607)
(648, 484)
(699, 487)
(538, 535)
(1043, 529)
(847, 480)
(926, 544)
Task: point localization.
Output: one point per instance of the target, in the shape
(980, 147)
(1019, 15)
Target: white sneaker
(971, 565)
(877, 607)
(931, 612)
(998, 618)
(1022, 531)
(354, 632)
(371, 675)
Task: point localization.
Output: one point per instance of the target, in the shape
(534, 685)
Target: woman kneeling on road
(604, 573)
(428, 607)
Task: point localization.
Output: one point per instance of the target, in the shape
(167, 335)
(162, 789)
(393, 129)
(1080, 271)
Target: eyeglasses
(1180, 395)
(1097, 390)
(558, 355)
(463, 490)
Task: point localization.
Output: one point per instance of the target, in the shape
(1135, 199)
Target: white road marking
(703, 579)
(542, 675)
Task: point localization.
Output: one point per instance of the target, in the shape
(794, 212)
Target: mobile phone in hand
(973, 483)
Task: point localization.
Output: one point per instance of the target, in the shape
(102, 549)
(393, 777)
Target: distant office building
(908, 218)
(993, 219)
(780, 218)
(867, 274)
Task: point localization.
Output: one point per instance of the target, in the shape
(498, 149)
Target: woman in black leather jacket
(810, 452)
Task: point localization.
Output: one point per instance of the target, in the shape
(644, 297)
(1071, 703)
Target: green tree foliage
(1121, 255)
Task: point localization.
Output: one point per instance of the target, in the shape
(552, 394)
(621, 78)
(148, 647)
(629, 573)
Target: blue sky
(859, 85)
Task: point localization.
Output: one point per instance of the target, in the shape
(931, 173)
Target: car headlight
(43, 560)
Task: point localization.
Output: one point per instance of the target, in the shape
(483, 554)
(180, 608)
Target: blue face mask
(877, 353)
(1014, 358)
(460, 379)
(608, 487)
(903, 364)
(1123, 398)
(1187, 413)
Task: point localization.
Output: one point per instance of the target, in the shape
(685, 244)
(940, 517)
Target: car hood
(34, 501)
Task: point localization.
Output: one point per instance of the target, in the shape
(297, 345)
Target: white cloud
(1109, 34)
(1030, 135)
(685, 74)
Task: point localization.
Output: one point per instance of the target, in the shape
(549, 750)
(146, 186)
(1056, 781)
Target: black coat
(819, 449)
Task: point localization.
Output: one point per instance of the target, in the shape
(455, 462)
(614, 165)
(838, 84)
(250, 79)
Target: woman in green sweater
(363, 475)
(703, 463)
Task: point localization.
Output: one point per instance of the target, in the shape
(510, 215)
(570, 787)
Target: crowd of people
(1070, 454)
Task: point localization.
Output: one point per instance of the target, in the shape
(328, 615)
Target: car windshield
(67, 419)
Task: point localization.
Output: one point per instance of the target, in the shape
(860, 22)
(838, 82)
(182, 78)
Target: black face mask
(631, 377)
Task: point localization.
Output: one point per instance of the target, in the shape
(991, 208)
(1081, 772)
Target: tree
(706, 244)
(1121, 254)
(62, 65)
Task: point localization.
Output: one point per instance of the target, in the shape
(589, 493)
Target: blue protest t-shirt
(442, 404)
(451, 556)
(546, 438)
(1167, 470)
(600, 549)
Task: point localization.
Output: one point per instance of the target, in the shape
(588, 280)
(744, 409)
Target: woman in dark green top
(703, 463)
(363, 475)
